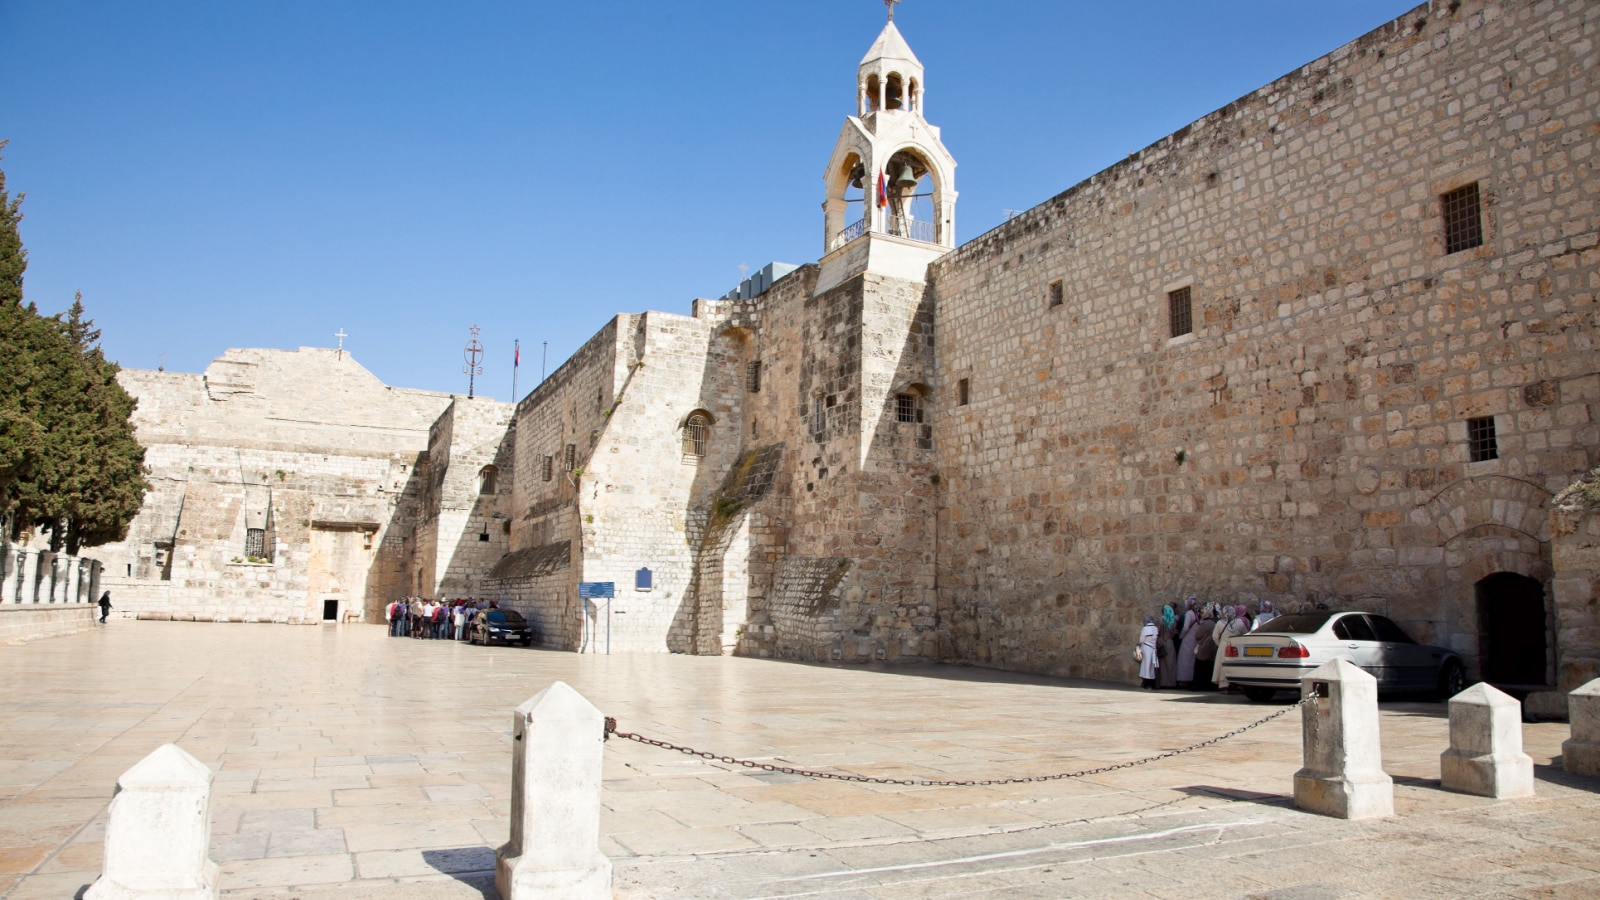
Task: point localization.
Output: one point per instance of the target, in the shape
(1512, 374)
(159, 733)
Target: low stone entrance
(1513, 620)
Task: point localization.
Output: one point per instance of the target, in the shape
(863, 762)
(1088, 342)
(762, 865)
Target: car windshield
(1298, 623)
(496, 616)
(512, 616)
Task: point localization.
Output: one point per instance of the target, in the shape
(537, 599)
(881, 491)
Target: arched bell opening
(1513, 631)
(910, 189)
(914, 95)
(872, 95)
(894, 93)
(847, 210)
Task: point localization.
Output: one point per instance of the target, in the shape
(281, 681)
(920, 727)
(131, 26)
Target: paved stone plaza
(351, 765)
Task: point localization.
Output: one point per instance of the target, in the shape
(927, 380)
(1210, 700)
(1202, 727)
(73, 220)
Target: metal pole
(542, 357)
(608, 626)
(516, 360)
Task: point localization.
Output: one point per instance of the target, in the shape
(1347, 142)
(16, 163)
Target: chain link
(611, 729)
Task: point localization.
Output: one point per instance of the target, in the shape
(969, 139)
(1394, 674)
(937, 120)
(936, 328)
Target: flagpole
(516, 360)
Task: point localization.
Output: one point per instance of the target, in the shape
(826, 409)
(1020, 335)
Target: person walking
(105, 606)
(1145, 653)
(1188, 643)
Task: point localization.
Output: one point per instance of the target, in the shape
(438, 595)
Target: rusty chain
(611, 729)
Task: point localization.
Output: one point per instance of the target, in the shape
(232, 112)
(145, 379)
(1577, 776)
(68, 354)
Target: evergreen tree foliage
(69, 460)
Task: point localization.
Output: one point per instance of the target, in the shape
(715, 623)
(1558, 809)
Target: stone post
(74, 572)
(28, 587)
(8, 573)
(1580, 754)
(58, 578)
(159, 832)
(1343, 772)
(558, 742)
(95, 568)
(1485, 755)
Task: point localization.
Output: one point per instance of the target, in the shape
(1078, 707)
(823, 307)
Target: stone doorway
(330, 610)
(1514, 634)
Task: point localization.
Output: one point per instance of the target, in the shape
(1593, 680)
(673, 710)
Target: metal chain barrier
(611, 729)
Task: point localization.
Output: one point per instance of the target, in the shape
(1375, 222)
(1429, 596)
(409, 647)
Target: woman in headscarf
(1237, 623)
(1146, 653)
(1265, 612)
(1168, 676)
(1205, 652)
(1188, 642)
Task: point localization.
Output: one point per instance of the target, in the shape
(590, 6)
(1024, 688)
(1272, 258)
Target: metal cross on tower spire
(891, 4)
(341, 336)
(473, 354)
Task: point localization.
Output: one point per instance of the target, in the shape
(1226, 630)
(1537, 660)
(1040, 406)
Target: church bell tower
(890, 183)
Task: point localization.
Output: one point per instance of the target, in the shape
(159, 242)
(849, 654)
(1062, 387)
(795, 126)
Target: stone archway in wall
(1515, 623)
(1491, 538)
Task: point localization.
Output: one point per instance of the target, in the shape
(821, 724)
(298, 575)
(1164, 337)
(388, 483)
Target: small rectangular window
(1057, 294)
(548, 471)
(1463, 219)
(1180, 313)
(571, 459)
(752, 378)
(600, 400)
(255, 543)
(1481, 443)
(905, 408)
(963, 392)
(819, 417)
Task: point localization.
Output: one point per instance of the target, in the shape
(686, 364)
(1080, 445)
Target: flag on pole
(883, 190)
(516, 354)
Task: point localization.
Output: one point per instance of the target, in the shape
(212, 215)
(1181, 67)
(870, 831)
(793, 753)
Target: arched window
(488, 479)
(696, 434)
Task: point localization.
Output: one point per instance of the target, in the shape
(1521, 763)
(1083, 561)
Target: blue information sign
(643, 580)
(597, 590)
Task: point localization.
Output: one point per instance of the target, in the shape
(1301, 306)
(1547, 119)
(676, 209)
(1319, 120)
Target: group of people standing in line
(445, 620)
(1182, 651)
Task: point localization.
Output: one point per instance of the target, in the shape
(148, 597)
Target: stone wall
(307, 448)
(20, 624)
(464, 523)
(1576, 591)
(1308, 442)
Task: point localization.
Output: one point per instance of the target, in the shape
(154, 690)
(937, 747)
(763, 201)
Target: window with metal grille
(1058, 294)
(600, 400)
(752, 377)
(1463, 219)
(1180, 313)
(255, 543)
(963, 392)
(906, 408)
(819, 417)
(570, 461)
(548, 471)
(1481, 443)
(696, 432)
(488, 479)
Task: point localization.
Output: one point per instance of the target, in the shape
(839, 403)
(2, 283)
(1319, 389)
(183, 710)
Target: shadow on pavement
(1281, 801)
(469, 865)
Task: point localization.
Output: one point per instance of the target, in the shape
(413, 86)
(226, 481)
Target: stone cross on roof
(891, 4)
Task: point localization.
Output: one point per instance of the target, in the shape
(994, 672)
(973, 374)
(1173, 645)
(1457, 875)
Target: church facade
(1331, 344)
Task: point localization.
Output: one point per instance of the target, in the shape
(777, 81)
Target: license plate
(1259, 651)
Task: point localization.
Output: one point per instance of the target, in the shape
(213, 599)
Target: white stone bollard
(1580, 754)
(1342, 775)
(1485, 755)
(10, 565)
(558, 745)
(159, 832)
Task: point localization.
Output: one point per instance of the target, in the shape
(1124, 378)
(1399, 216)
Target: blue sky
(262, 174)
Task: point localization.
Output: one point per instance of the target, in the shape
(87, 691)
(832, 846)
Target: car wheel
(1452, 680)
(1259, 694)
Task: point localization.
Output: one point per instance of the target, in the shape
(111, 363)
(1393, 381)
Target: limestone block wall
(305, 446)
(1308, 442)
(20, 624)
(464, 525)
(1576, 591)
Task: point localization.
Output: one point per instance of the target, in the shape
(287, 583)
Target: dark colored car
(1281, 651)
(504, 625)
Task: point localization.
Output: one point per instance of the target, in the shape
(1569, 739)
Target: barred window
(600, 400)
(1481, 443)
(819, 417)
(1463, 219)
(255, 543)
(1180, 313)
(752, 377)
(570, 461)
(1058, 294)
(906, 408)
(548, 470)
(696, 432)
(963, 392)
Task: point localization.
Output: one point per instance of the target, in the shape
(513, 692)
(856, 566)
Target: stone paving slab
(350, 765)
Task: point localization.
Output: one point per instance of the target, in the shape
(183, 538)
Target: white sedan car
(1285, 649)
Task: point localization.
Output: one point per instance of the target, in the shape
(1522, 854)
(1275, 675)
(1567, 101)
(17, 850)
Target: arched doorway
(1513, 635)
